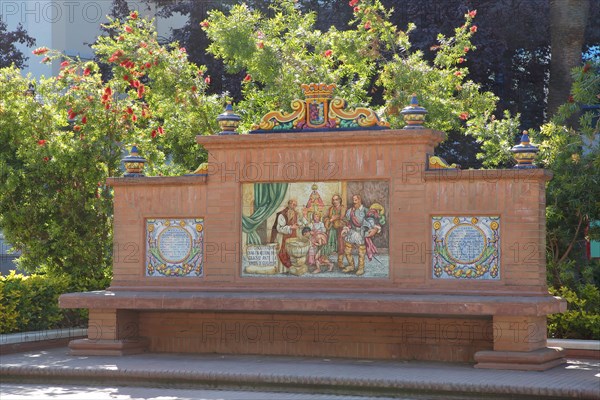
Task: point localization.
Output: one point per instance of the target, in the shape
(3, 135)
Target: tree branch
(570, 247)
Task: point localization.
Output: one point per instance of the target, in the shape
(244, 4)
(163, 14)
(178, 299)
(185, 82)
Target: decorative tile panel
(466, 247)
(315, 230)
(174, 247)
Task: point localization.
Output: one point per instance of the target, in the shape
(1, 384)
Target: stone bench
(459, 274)
(459, 328)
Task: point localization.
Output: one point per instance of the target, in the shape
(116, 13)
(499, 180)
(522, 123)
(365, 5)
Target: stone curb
(274, 381)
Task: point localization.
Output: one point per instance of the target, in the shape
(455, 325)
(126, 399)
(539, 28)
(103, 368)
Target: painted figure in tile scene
(317, 236)
(361, 225)
(334, 223)
(287, 221)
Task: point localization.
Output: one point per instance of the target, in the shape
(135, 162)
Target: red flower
(72, 115)
(207, 80)
(148, 65)
(260, 45)
(108, 91)
(133, 15)
(140, 92)
(328, 53)
(458, 73)
(40, 51)
(464, 116)
(107, 106)
(461, 60)
(77, 128)
(194, 88)
(84, 120)
(129, 110)
(353, 2)
(153, 133)
(356, 9)
(247, 78)
(128, 29)
(183, 50)
(466, 49)
(46, 159)
(571, 99)
(204, 24)
(134, 117)
(143, 44)
(86, 71)
(126, 78)
(474, 28)
(41, 142)
(472, 13)
(161, 130)
(121, 38)
(64, 64)
(45, 59)
(368, 25)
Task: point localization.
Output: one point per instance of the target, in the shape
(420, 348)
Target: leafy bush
(582, 320)
(58, 146)
(30, 303)
(371, 59)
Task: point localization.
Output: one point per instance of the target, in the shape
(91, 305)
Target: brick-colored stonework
(389, 318)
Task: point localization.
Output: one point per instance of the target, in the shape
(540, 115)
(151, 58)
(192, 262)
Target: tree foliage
(278, 52)
(515, 66)
(59, 146)
(570, 148)
(9, 54)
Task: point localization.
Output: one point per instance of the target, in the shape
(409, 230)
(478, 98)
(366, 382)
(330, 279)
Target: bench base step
(536, 360)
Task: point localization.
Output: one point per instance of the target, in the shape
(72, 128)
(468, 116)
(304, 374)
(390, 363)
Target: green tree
(59, 146)
(279, 52)
(9, 54)
(571, 150)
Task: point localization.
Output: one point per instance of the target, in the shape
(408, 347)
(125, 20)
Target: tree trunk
(568, 19)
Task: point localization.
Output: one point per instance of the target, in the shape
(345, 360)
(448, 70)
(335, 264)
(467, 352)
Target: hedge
(30, 303)
(582, 318)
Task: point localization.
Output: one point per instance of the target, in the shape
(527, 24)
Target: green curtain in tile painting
(267, 197)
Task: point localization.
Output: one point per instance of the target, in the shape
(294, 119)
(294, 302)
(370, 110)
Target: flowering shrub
(284, 51)
(59, 146)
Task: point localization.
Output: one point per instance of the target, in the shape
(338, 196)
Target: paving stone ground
(408, 380)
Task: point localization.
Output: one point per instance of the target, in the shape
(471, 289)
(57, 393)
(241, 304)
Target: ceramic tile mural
(466, 247)
(316, 229)
(174, 247)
